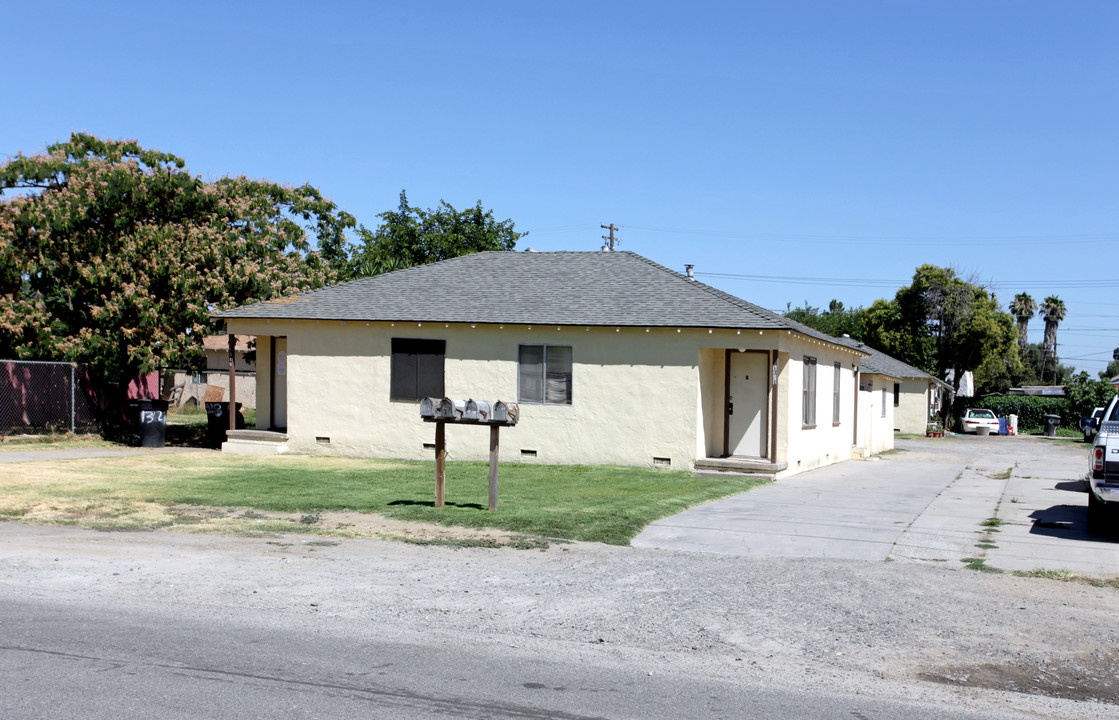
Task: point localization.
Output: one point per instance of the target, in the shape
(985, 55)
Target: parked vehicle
(1103, 475)
(1088, 427)
(976, 418)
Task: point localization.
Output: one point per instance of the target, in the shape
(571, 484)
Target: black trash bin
(1051, 423)
(151, 422)
(217, 422)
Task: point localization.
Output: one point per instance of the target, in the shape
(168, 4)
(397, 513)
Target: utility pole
(610, 239)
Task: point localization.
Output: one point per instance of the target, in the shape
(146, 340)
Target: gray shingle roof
(546, 288)
(879, 363)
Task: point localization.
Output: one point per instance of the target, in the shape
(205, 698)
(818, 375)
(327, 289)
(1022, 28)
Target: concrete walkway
(927, 502)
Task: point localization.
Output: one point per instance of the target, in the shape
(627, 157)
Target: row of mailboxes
(469, 411)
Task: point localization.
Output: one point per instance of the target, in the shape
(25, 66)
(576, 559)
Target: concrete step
(255, 442)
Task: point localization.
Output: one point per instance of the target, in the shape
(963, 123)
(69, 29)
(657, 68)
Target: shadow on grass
(431, 504)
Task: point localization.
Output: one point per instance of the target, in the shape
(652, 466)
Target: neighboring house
(212, 384)
(613, 359)
(907, 396)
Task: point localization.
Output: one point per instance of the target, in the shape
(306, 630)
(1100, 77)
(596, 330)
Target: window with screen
(544, 374)
(809, 400)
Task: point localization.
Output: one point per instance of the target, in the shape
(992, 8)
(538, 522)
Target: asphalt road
(64, 661)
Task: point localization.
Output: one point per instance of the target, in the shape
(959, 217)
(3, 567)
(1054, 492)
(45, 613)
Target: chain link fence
(44, 396)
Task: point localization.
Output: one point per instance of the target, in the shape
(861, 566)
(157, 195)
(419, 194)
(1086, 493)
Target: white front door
(279, 383)
(747, 401)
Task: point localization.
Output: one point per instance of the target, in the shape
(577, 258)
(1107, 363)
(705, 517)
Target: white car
(975, 418)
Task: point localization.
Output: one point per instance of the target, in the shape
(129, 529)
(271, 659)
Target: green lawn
(593, 503)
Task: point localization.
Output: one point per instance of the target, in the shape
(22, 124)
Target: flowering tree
(114, 255)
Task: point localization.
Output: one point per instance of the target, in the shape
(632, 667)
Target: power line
(890, 239)
(872, 283)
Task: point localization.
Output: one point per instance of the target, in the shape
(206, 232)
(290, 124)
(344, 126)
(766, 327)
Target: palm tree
(1023, 308)
(1053, 310)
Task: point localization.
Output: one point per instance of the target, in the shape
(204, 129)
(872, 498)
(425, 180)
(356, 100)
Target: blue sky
(793, 152)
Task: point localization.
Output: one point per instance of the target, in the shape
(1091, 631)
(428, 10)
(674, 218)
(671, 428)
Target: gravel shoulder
(1036, 646)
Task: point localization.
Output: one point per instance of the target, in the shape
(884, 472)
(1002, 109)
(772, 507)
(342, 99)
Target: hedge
(1028, 408)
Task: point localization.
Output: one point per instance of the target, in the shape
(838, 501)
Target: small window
(544, 374)
(808, 408)
(835, 395)
(897, 394)
(884, 398)
(417, 368)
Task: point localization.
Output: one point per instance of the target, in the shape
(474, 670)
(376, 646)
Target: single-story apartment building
(612, 358)
(915, 396)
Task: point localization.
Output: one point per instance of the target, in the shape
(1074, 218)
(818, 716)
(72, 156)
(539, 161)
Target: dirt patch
(1090, 677)
(121, 515)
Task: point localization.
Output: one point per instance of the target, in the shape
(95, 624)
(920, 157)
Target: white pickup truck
(1103, 475)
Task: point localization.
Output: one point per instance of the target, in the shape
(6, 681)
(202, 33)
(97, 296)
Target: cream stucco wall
(876, 429)
(912, 412)
(637, 393)
(827, 442)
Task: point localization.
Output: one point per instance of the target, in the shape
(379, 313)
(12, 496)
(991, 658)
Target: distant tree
(411, 236)
(836, 321)
(1085, 394)
(1053, 310)
(1023, 308)
(115, 256)
(946, 326)
(1112, 368)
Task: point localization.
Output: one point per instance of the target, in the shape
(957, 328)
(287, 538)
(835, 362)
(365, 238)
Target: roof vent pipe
(688, 269)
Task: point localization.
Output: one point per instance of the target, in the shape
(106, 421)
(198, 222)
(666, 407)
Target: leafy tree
(1023, 308)
(1112, 368)
(410, 236)
(945, 326)
(836, 321)
(115, 256)
(1053, 309)
(1085, 394)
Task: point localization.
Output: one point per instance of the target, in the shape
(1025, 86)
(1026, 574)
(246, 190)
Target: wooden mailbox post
(470, 412)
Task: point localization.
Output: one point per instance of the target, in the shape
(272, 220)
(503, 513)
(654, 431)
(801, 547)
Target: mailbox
(428, 406)
(450, 409)
(477, 410)
(506, 413)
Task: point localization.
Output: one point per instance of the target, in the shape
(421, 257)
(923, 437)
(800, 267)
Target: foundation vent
(662, 462)
(322, 440)
(527, 453)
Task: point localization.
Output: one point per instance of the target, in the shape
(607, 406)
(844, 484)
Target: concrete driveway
(932, 500)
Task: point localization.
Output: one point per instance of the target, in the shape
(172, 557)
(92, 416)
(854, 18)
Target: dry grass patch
(348, 497)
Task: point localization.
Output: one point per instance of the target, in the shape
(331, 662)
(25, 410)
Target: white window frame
(543, 378)
(835, 404)
(808, 404)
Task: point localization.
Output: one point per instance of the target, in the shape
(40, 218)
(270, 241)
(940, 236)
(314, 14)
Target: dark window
(544, 374)
(897, 394)
(809, 406)
(417, 368)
